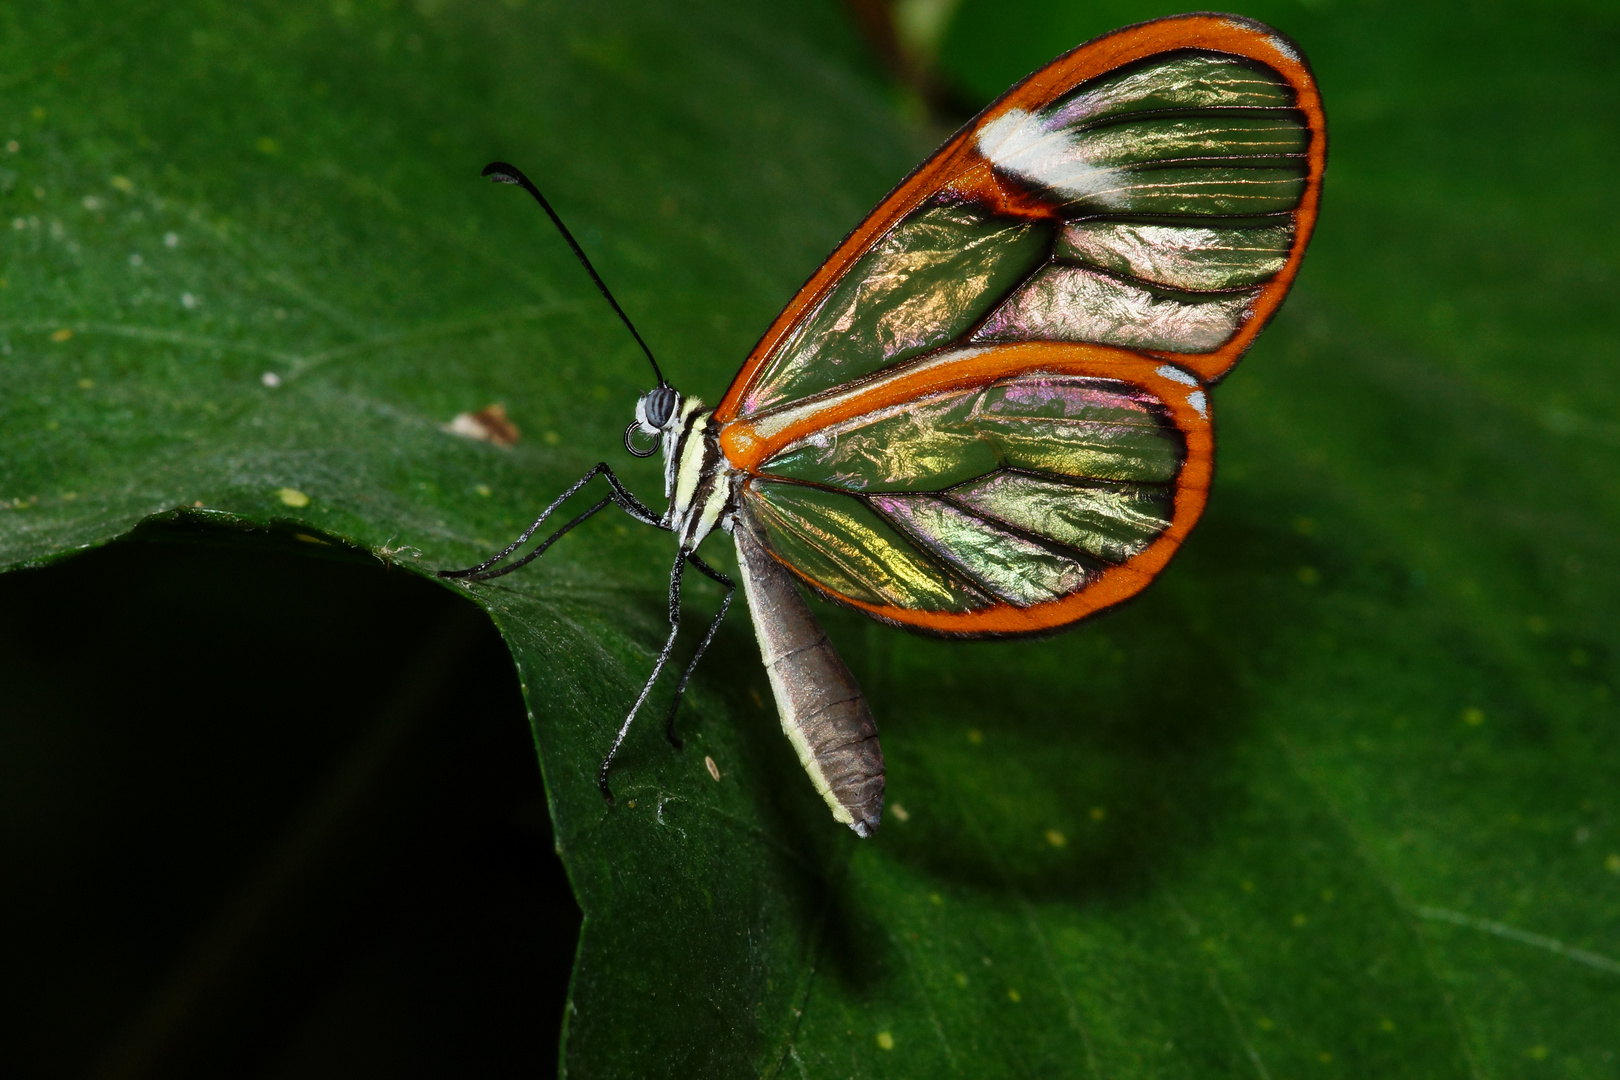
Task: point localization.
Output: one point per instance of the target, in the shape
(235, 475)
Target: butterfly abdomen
(822, 709)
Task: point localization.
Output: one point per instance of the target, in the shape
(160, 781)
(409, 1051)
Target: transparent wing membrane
(1014, 568)
(1191, 258)
(1136, 143)
(1018, 491)
(1077, 303)
(1189, 79)
(1155, 164)
(847, 548)
(1104, 240)
(1077, 428)
(1110, 521)
(1168, 194)
(921, 287)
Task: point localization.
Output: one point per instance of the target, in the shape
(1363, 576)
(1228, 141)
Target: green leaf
(1335, 797)
(1403, 591)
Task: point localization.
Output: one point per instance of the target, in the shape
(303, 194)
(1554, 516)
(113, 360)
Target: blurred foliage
(1335, 797)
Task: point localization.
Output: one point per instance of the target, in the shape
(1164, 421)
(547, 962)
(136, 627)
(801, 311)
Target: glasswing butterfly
(988, 413)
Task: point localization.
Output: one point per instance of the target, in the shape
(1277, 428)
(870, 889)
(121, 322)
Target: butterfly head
(655, 413)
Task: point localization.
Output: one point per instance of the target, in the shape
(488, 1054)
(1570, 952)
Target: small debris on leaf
(488, 424)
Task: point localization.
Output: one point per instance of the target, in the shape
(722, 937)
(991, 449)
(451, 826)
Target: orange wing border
(958, 167)
(747, 447)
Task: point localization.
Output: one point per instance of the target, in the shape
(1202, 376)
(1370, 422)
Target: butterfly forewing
(923, 285)
(1170, 160)
(965, 421)
(1214, 257)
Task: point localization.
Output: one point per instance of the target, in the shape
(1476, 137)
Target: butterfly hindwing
(986, 413)
(984, 490)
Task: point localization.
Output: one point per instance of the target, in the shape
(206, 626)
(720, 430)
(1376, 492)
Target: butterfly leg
(731, 589)
(663, 658)
(619, 496)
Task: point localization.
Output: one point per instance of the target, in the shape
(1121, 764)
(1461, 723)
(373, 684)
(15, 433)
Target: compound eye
(660, 406)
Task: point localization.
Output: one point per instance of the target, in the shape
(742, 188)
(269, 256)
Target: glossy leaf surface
(1414, 521)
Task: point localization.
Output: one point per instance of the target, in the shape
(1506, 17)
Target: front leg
(620, 496)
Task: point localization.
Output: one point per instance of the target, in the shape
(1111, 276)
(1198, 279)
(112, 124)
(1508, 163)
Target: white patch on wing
(1017, 142)
(1199, 402)
(1276, 41)
(1175, 374)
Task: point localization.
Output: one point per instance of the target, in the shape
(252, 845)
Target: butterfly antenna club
(502, 173)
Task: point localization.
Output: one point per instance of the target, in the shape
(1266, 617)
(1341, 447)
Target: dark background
(268, 809)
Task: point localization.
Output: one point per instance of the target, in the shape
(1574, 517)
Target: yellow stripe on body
(702, 482)
(795, 733)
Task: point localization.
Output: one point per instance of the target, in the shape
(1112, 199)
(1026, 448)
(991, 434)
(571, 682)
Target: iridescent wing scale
(987, 413)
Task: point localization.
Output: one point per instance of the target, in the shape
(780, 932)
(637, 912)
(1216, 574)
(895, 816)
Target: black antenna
(502, 173)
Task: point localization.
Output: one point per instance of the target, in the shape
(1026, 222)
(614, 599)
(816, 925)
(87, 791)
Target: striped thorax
(698, 481)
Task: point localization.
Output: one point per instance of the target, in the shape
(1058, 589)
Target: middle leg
(663, 658)
(691, 666)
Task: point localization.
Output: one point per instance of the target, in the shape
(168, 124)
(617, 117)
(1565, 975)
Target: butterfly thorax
(698, 481)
